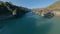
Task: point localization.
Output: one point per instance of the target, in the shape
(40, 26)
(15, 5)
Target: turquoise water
(30, 23)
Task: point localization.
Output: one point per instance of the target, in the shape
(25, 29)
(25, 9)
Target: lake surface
(30, 23)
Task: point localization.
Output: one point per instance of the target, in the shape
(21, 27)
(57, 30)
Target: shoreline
(57, 13)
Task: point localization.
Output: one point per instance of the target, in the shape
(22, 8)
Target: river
(30, 23)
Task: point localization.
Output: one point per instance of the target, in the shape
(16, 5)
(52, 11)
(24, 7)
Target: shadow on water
(28, 24)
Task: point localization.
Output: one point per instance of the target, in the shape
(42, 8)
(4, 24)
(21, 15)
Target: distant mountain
(52, 6)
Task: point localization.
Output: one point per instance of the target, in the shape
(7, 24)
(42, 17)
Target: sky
(31, 3)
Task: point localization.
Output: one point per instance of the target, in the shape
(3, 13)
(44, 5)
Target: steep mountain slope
(6, 7)
(54, 5)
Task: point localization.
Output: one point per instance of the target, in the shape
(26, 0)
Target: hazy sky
(32, 3)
